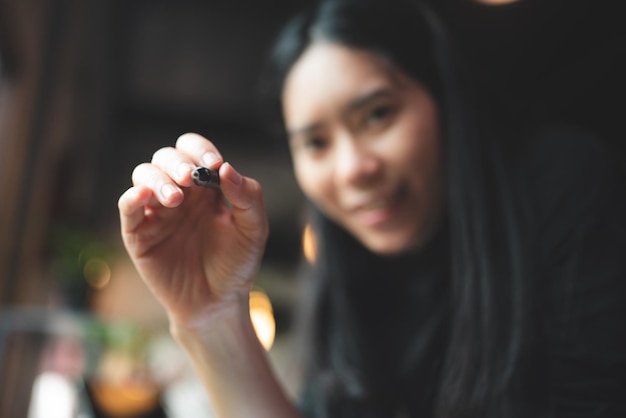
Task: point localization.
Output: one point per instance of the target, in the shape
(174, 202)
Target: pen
(206, 177)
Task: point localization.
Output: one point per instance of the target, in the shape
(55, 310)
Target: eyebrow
(304, 130)
(353, 106)
(366, 99)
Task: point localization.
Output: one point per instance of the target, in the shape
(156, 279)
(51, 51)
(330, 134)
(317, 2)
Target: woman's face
(366, 146)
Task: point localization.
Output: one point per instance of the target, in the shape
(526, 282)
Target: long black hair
(486, 311)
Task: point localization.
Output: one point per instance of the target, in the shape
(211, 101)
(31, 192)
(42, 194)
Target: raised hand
(197, 249)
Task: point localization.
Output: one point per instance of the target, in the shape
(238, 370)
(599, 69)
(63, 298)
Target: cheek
(430, 177)
(416, 151)
(423, 148)
(312, 181)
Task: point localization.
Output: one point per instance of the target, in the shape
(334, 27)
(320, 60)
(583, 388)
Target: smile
(378, 212)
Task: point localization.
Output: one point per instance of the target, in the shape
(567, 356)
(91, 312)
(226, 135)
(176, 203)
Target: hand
(197, 249)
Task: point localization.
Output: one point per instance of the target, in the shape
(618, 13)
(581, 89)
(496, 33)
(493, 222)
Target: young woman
(453, 279)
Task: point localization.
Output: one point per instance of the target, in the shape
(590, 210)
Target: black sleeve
(582, 276)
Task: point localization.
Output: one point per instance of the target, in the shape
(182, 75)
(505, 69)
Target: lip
(378, 211)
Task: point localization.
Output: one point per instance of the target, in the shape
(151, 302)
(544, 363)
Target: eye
(378, 115)
(314, 143)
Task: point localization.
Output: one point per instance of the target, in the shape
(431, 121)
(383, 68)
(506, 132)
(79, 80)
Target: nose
(357, 163)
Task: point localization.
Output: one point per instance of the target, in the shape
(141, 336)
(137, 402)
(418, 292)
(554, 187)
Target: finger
(246, 198)
(176, 164)
(164, 189)
(200, 149)
(131, 207)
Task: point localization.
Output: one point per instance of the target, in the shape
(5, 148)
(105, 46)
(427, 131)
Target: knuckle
(192, 140)
(181, 140)
(162, 153)
(123, 201)
(139, 170)
(185, 139)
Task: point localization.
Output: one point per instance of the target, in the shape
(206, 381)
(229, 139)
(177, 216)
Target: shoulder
(573, 193)
(566, 170)
(580, 288)
(577, 223)
(569, 178)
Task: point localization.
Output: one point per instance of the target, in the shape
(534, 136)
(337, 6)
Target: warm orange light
(125, 400)
(309, 245)
(262, 316)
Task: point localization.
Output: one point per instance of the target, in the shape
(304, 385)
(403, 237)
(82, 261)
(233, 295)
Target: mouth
(379, 211)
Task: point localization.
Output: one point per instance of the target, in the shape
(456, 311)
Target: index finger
(200, 149)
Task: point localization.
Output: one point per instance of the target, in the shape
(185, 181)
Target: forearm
(234, 367)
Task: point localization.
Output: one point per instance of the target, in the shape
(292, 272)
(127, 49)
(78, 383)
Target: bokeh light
(97, 273)
(309, 245)
(262, 316)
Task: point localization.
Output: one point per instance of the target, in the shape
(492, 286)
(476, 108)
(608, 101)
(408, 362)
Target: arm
(233, 367)
(198, 250)
(582, 285)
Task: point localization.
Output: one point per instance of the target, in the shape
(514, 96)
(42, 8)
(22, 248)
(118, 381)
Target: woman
(495, 276)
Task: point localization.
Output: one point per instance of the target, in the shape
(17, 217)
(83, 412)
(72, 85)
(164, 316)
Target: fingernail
(233, 176)
(167, 190)
(209, 159)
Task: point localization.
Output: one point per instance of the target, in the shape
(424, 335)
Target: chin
(397, 244)
(390, 248)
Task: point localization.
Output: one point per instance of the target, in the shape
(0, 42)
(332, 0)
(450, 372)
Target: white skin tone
(199, 257)
(376, 170)
(365, 144)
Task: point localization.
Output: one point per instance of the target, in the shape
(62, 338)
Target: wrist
(229, 317)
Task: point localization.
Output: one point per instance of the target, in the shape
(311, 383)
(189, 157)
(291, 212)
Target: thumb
(246, 197)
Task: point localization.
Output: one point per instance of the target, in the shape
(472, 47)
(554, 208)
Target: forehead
(322, 58)
(329, 75)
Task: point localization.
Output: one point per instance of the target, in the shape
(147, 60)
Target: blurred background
(91, 88)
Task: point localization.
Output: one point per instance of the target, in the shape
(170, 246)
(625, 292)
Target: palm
(195, 255)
